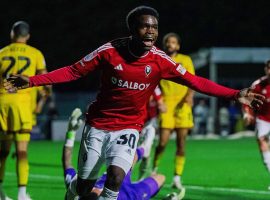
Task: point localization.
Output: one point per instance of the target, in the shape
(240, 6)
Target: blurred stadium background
(228, 41)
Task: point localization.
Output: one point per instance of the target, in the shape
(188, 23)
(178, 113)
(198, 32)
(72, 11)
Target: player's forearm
(247, 110)
(189, 97)
(190, 94)
(61, 75)
(208, 87)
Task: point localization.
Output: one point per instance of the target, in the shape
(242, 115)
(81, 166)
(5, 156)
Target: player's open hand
(254, 100)
(16, 82)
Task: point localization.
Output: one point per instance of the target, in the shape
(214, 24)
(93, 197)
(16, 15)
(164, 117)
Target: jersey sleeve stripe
(163, 56)
(258, 81)
(105, 47)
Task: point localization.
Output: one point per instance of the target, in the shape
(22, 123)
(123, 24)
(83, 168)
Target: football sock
(140, 152)
(72, 186)
(266, 159)
(179, 164)
(177, 178)
(108, 194)
(22, 168)
(3, 158)
(70, 138)
(2, 194)
(22, 192)
(143, 169)
(2, 169)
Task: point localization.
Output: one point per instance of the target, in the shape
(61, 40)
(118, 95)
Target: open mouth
(148, 41)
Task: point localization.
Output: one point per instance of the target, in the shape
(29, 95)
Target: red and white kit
(261, 86)
(127, 83)
(119, 112)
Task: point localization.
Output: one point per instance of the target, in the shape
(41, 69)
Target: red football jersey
(261, 86)
(127, 82)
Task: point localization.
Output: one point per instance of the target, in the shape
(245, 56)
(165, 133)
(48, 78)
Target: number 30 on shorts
(129, 139)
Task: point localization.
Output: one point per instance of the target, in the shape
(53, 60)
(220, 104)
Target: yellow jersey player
(178, 99)
(15, 106)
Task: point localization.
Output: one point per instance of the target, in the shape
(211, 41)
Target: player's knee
(159, 178)
(162, 144)
(114, 182)
(115, 178)
(21, 154)
(4, 154)
(263, 145)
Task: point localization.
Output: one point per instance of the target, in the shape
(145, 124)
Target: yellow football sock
(22, 169)
(179, 164)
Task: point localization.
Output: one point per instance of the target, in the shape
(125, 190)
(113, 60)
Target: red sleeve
(177, 73)
(72, 72)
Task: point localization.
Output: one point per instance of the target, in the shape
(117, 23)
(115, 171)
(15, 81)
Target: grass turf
(215, 170)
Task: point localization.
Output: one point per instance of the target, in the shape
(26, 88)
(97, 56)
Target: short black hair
(133, 15)
(168, 35)
(20, 29)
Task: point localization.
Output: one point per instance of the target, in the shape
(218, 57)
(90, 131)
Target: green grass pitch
(215, 170)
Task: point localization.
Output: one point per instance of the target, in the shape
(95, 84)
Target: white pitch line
(38, 176)
(191, 187)
(220, 189)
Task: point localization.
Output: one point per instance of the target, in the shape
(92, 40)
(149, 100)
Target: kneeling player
(141, 190)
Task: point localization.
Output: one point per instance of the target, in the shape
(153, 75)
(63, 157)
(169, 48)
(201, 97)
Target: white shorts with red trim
(262, 128)
(97, 147)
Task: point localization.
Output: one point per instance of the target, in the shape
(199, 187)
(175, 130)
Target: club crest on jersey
(181, 69)
(114, 80)
(147, 70)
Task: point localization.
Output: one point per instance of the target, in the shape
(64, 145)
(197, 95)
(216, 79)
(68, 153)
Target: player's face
(171, 45)
(146, 33)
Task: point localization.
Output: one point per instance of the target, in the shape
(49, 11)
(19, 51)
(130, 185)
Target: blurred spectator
(201, 113)
(224, 121)
(234, 112)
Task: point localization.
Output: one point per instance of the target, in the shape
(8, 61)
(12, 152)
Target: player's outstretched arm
(16, 82)
(245, 96)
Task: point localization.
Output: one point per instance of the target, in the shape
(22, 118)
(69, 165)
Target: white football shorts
(110, 147)
(262, 128)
